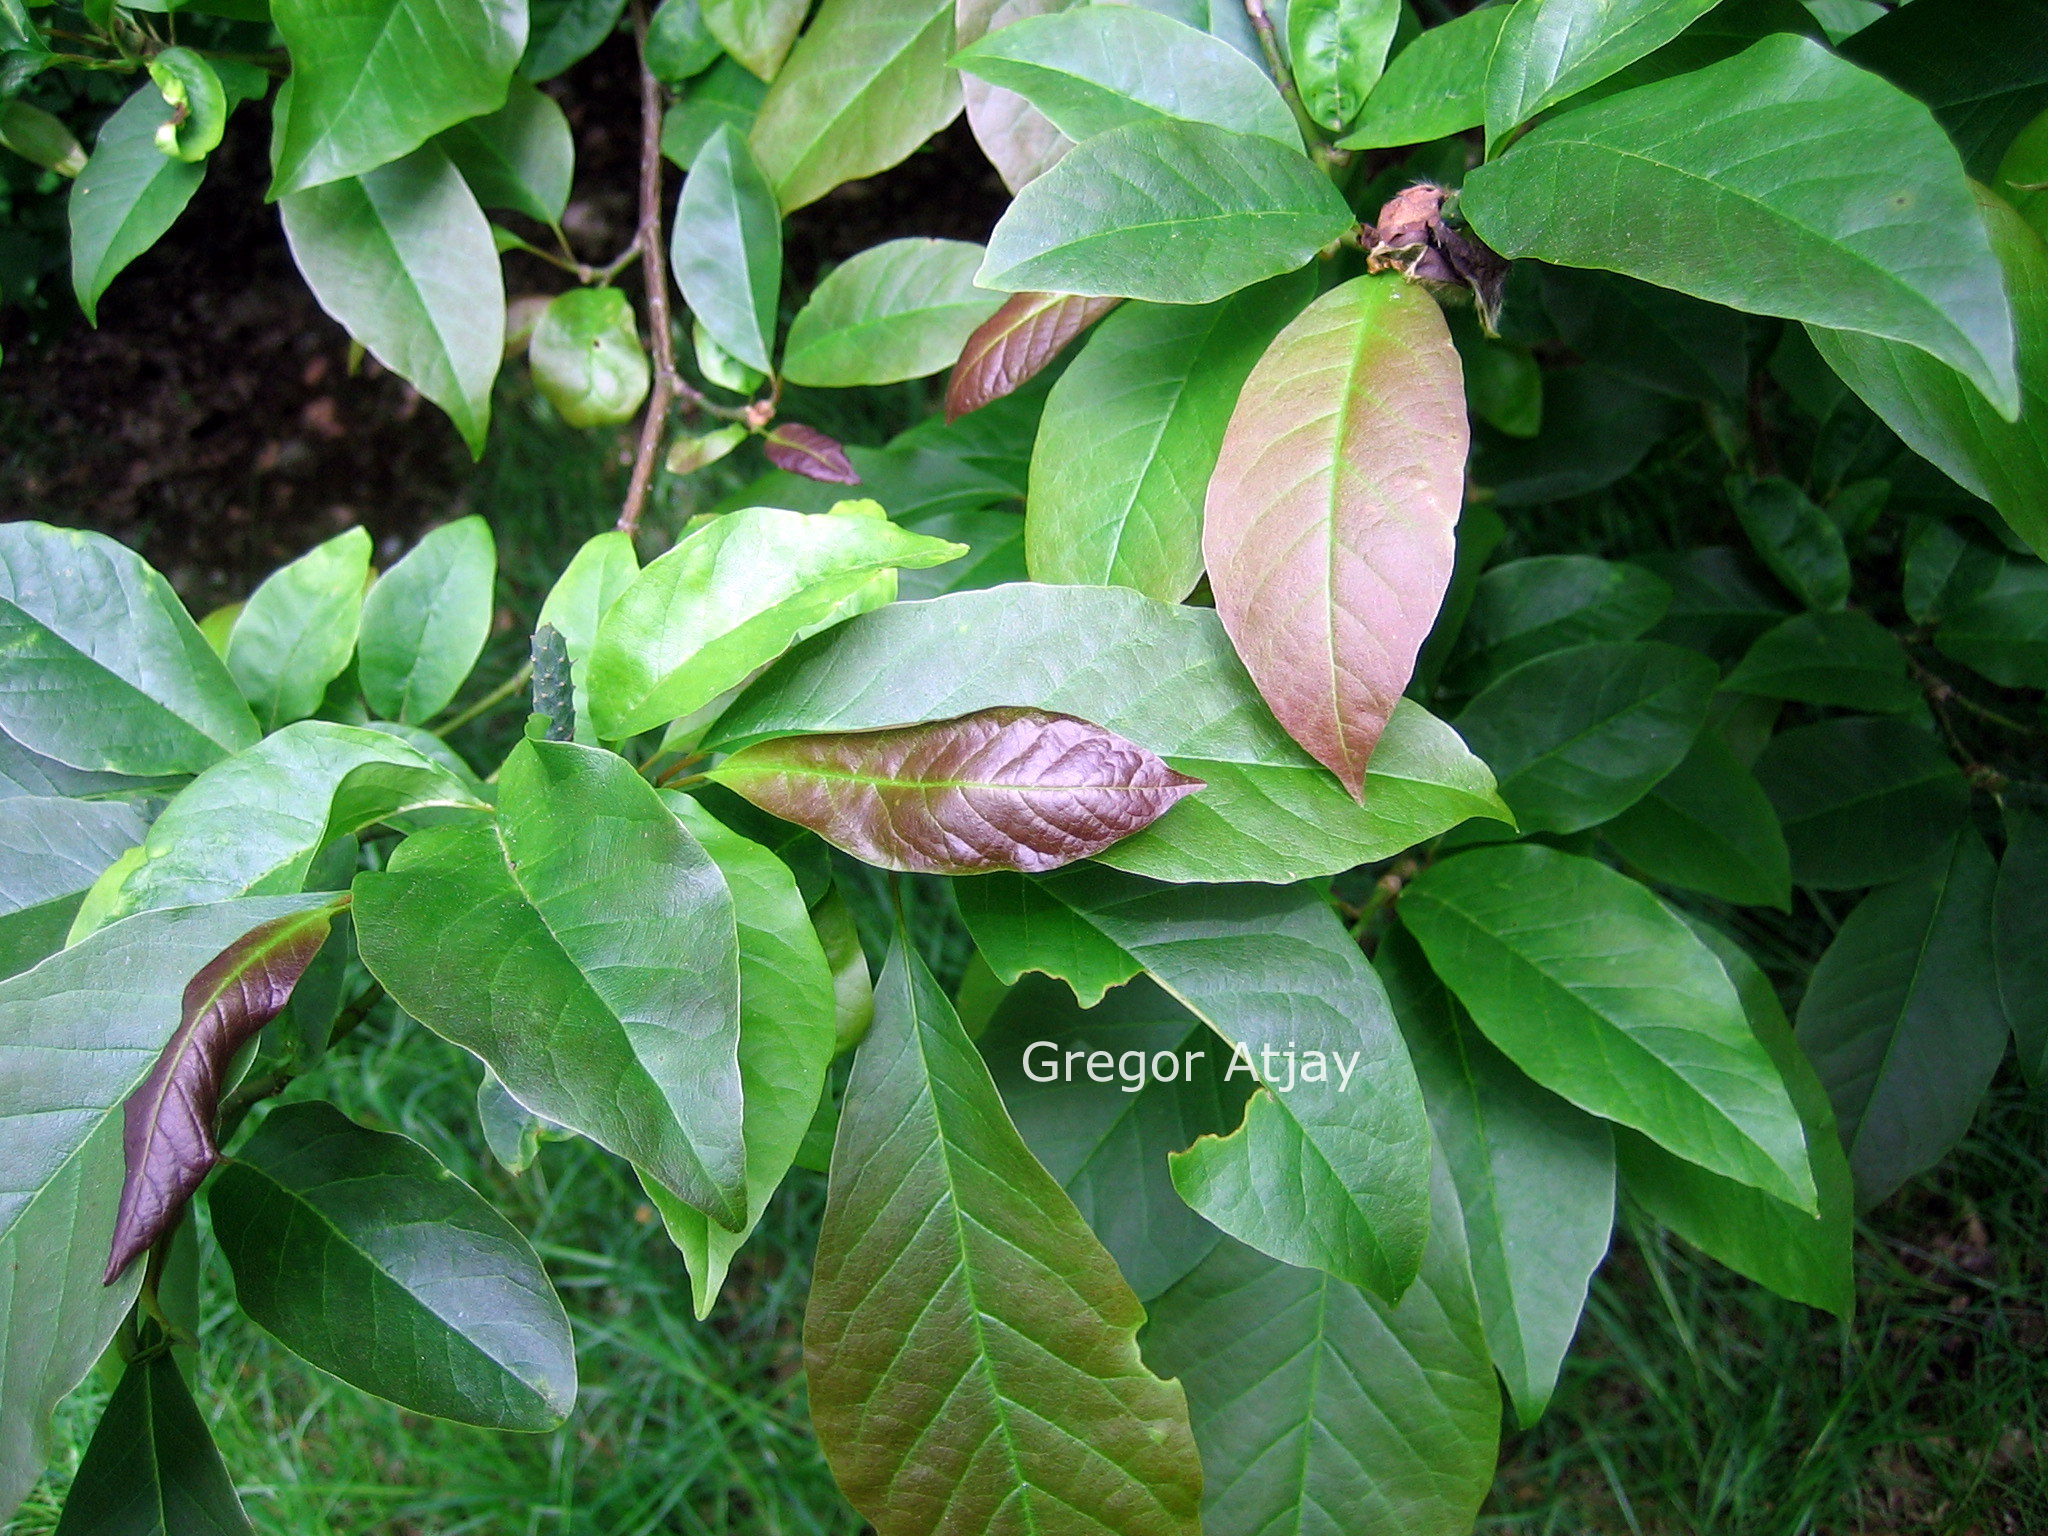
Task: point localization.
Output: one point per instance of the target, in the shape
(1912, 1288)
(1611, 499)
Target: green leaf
(2020, 937)
(1655, 337)
(1328, 523)
(1942, 417)
(1130, 436)
(758, 33)
(1862, 801)
(129, 193)
(1319, 1407)
(1328, 1171)
(519, 157)
(726, 93)
(1981, 64)
(898, 310)
(1336, 50)
(614, 1006)
(1434, 87)
(1579, 735)
(52, 847)
(727, 248)
(1597, 991)
(1529, 608)
(1177, 212)
(1020, 926)
(1945, 569)
(426, 620)
(1596, 428)
(1800, 543)
(152, 1468)
(995, 554)
(1807, 1258)
(586, 357)
(297, 631)
(787, 1038)
(360, 1252)
(679, 44)
(2004, 633)
(403, 258)
(565, 32)
(595, 578)
(1479, 533)
(729, 598)
(864, 87)
(1534, 1176)
(1839, 224)
(1720, 601)
(1158, 674)
(1902, 1018)
(1845, 659)
(372, 83)
(1100, 67)
(1708, 826)
(943, 1241)
(101, 668)
(1550, 50)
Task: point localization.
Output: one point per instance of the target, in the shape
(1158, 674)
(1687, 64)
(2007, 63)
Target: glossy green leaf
(1479, 533)
(426, 620)
(1862, 801)
(1017, 138)
(565, 32)
(360, 1252)
(1579, 735)
(1805, 1257)
(129, 193)
(2004, 633)
(519, 157)
(403, 258)
(1095, 68)
(1019, 926)
(1596, 428)
(151, 1468)
(725, 93)
(2020, 937)
(1708, 826)
(587, 359)
(995, 554)
(1328, 522)
(1177, 212)
(1336, 50)
(297, 631)
(1434, 87)
(1902, 1018)
(898, 310)
(1130, 436)
(1320, 1408)
(1597, 991)
(1329, 1168)
(1800, 543)
(52, 847)
(101, 668)
(729, 598)
(1550, 50)
(1161, 675)
(963, 1317)
(1981, 64)
(1839, 225)
(758, 33)
(595, 578)
(726, 250)
(867, 83)
(679, 44)
(1845, 659)
(615, 1007)
(1529, 608)
(1535, 1178)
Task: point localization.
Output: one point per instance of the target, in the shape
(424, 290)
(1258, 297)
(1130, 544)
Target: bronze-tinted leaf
(168, 1132)
(1001, 789)
(1330, 515)
(808, 452)
(1015, 343)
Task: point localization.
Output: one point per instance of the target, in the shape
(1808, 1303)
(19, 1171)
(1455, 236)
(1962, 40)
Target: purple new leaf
(808, 452)
(1014, 345)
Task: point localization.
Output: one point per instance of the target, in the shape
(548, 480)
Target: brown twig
(654, 275)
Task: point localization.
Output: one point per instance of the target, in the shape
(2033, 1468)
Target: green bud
(38, 137)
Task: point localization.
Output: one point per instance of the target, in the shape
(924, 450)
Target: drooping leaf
(1550, 50)
(756, 32)
(151, 1468)
(52, 847)
(614, 1008)
(1599, 993)
(168, 1122)
(2020, 936)
(1161, 675)
(360, 1252)
(101, 668)
(1981, 64)
(1094, 68)
(1528, 608)
(297, 631)
(586, 357)
(1835, 226)
(1328, 521)
(1801, 544)
(865, 85)
(2004, 632)
(1720, 600)
(729, 598)
(726, 250)
(1534, 1177)
(1130, 436)
(952, 1393)
(426, 620)
(1177, 212)
(1015, 344)
(808, 452)
(372, 83)
(898, 310)
(519, 157)
(1902, 1018)
(129, 193)
(1708, 826)
(1579, 735)
(1434, 87)
(402, 257)
(1862, 801)
(1336, 50)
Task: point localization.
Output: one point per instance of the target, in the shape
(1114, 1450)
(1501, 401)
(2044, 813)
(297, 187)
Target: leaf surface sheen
(297, 631)
(1863, 801)
(1552, 49)
(1434, 87)
(426, 620)
(726, 249)
(896, 311)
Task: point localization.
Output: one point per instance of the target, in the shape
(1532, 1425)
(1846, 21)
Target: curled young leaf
(199, 107)
(808, 452)
(1000, 789)
(168, 1131)
(1014, 345)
